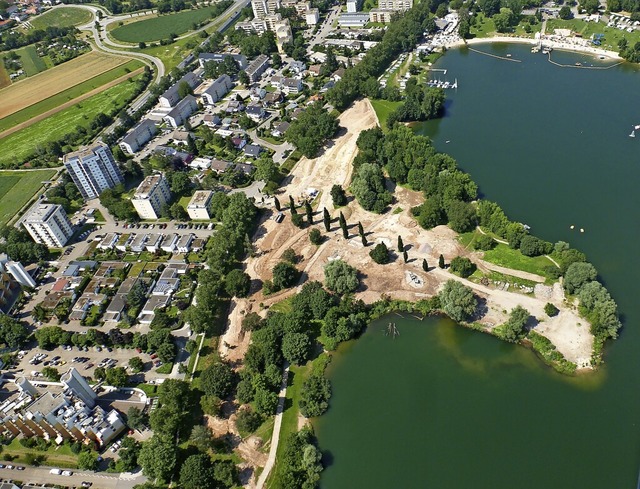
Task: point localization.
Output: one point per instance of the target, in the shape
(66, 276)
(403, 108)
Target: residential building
(245, 168)
(218, 89)
(381, 16)
(184, 245)
(172, 95)
(292, 85)
(262, 8)
(204, 58)
(337, 75)
(312, 16)
(48, 224)
(200, 163)
(252, 150)
(181, 112)
(211, 120)
(138, 244)
(137, 137)
(297, 66)
(169, 243)
(221, 166)
(79, 387)
(272, 99)
(154, 303)
(257, 26)
(399, 5)
(257, 67)
(150, 196)
(256, 94)
(16, 270)
(239, 142)
(153, 242)
(93, 169)
(283, 34)
(198, 208)
(255, 112)
(353, 6)
(353, 19)
(280, 129)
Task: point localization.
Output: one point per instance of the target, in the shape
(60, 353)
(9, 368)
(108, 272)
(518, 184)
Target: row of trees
(18, 244)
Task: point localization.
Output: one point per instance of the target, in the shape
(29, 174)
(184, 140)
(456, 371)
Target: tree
(441, 261)
(177, 212)
(457, 300)
(292, 204)
(577, 275)
(484, 243)
(201, 437)
(158, 458)
(217, 380)
(338, 196)
(136, 419)
(369, 188)
(248, 420)
(565, 13)
(13, 332)
(52, 374)
(237, 283)
(309, 211)
(462, 266)
(551, 310)
(276, 203)
(309, 131)
(425, 265)
(265, 402)
(285, 275)
(513, 329)
(296, 348)
(197, 473)
(461, 216)
(116, 376)
(315, 395)
(327, 219)
(136, 364)
(360, 229)
(243, 78)
(405, 256)
(380, 254)
(184, 89)
(341, 277)
(364, 240)
(315, 236)
(87, 461)
(343, 226)
(400, 244)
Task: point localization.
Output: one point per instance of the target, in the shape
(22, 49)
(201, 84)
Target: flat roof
(200, 198)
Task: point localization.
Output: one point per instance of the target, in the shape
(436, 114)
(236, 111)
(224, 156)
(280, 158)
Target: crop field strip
(55, 80)
(5, 81)
(57, 100)
(157, 28)
(18, 146)
(31, 62)
(17, 188)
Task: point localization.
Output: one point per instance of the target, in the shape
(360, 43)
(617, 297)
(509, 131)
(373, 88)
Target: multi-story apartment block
(353, 6)
(218, 89)
(150, 196)
(198, 207)
(16, 270)
(395, 4)
(181, 112)
(204, 58)
(137, 137)
(257, 67)
(172, 95)
(93, 170)
(48, 224)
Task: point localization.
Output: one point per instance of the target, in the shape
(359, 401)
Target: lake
(445, 407)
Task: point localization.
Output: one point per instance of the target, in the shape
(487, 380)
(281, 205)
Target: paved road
(280, 149)
(327, 26)
(275, 438)
(41, 475)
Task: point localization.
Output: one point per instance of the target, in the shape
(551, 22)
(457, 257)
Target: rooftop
(83, 152)
(200, 198)
(41, 212)
(147, 186)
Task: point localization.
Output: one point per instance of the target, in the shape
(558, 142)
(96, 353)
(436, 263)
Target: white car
(55, 471)
(67, 473)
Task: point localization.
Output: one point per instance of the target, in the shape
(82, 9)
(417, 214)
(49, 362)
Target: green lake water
(447, 408)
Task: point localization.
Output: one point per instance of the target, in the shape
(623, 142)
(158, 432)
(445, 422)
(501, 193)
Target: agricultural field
(5, 81)
(67, 95)
(157, 28)
(44, 85)
(32, 64)
(17, 188)
(18, 146)
(62, 17)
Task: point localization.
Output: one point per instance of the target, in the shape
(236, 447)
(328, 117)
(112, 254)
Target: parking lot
(85, 360)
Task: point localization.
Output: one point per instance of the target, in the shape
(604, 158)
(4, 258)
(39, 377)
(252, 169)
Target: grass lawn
(17, 187)
(61, 456)
(18, 146)
(483, 27)
(611, 35)
(184, 201)
(161, 27)
(383, 108)
(62, 17)
(66, 95)
(504, 256)
(172, 54)
(31, 62)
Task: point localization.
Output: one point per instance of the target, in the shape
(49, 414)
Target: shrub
(551, 310)
(380, 254)
(462, 266)
(315, 236)
(341, 277)
(484, 243)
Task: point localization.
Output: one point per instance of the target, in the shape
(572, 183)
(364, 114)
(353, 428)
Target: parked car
(68, 473)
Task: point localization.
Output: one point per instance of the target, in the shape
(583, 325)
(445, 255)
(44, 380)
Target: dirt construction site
(400, 280)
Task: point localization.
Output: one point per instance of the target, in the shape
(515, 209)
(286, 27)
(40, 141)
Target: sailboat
(633, 131)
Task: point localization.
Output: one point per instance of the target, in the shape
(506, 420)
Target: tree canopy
(341, 277)
(309, 131)
(457, 300)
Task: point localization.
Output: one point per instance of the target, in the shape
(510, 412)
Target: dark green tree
(425, 265)
(341, 277)
(360, 229)
(285, 275)
(217, 380)
(237, 283)
(308, 209)
(462, 266)
(441, 263)
(338, 196)
(197, 473)
(296, 348)
(380, 254)
(513, 329)
(400, 244)
(315, 236)
(405, 255)
(457, 300)
(343, 226)
(276, 203)
(327, 220)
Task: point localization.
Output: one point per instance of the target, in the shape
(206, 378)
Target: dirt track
(70, 103)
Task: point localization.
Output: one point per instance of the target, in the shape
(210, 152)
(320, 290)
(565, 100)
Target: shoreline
(558, 45)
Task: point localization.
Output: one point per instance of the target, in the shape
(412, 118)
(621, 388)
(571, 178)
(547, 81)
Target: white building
(353, 19)
(198, 207)
(204, 58)
(93, 170)
(137, 137)
(150, 196)
(353, 6)
(399, 5)
(16, 270)
(48, 224)
(218, 89)
(181, 112)
(169, 243)
(172, 95)
(312, 16)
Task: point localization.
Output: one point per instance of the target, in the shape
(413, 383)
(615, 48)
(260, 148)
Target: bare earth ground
(57, 79)
(567, 331)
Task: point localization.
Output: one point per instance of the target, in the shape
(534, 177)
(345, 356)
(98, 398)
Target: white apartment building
(218, 89)
(150, 196)
(395, 4)
(48, 224)
(198, 208)
(181, 112)
(137, 137)
(353, 6)
(93, 169)
(312, 16)
(16, 270)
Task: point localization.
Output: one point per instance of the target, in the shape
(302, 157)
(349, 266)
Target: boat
(633, 134)
(578, 64)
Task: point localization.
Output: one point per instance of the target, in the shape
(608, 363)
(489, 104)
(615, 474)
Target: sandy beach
(569, 44)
